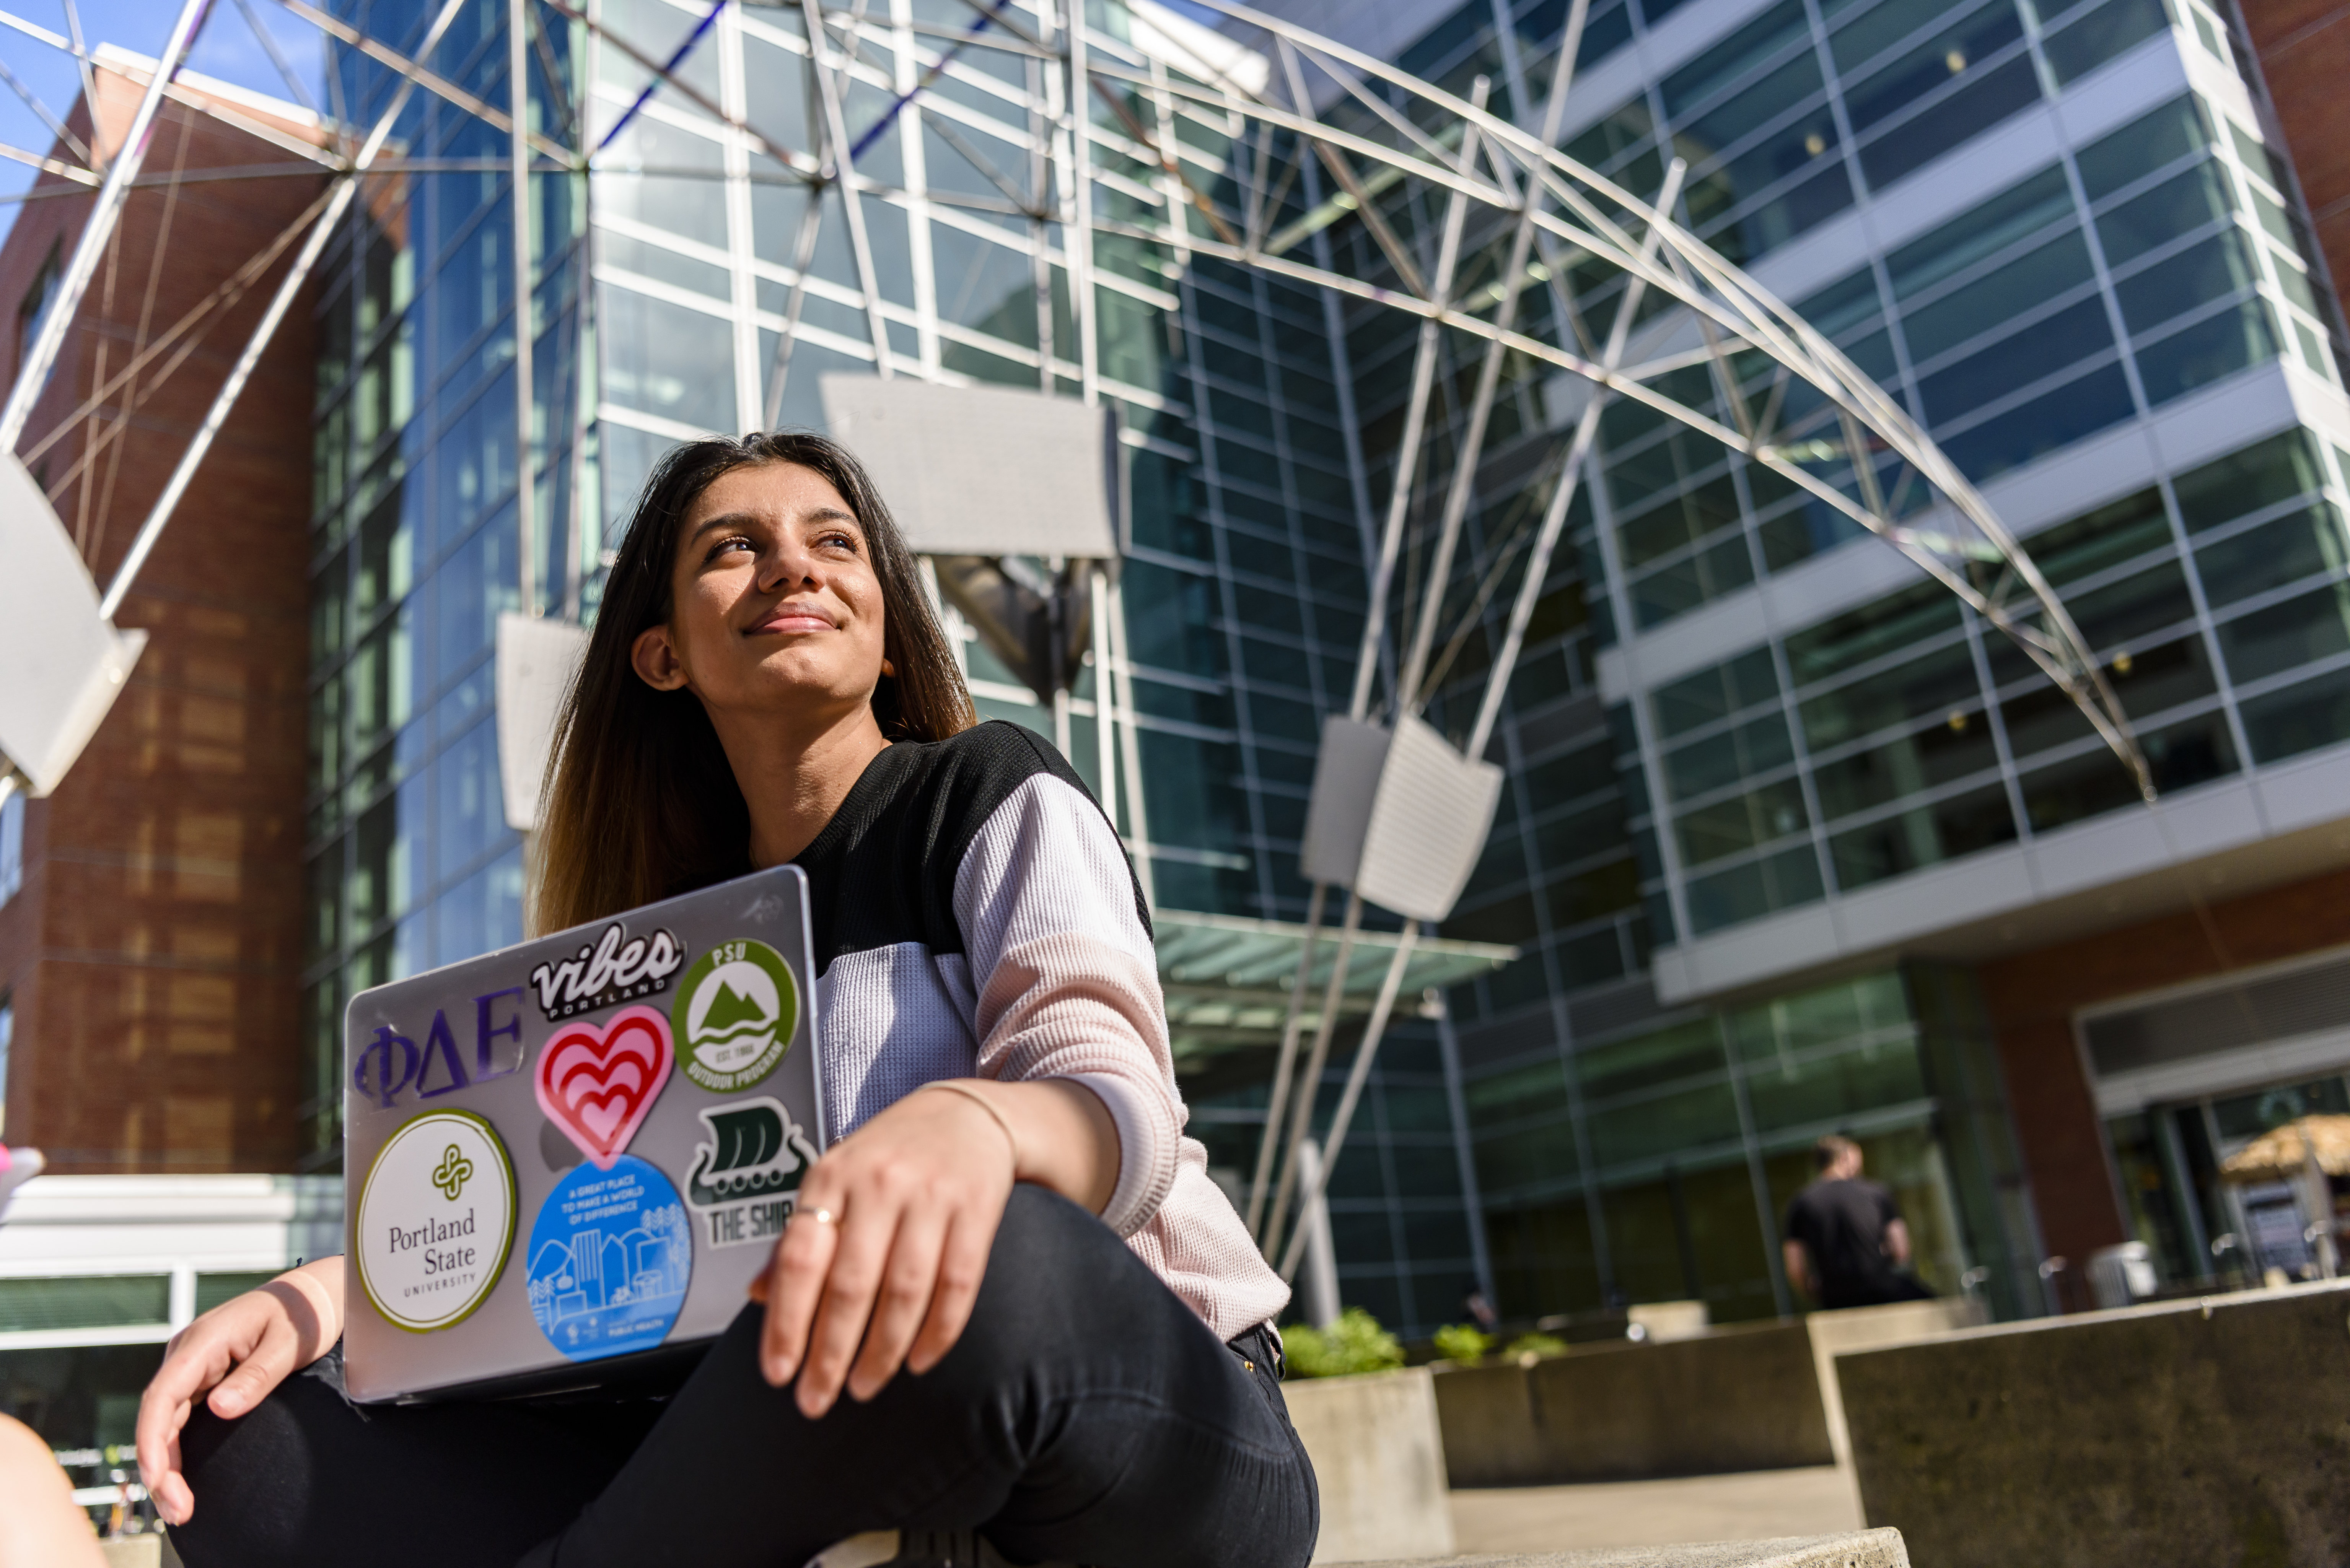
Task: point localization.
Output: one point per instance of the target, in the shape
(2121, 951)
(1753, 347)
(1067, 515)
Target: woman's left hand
(890, 1234)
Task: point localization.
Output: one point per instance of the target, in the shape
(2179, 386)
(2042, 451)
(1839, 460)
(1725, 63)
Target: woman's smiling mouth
(790, 618)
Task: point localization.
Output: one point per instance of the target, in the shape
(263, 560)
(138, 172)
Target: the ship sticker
(746, 1176)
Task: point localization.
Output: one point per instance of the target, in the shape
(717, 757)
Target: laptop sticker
(745, 1178)
(735, 1011)
(435, 1221)
(596, 1081)
(609, 969)
(392, 1062)
(611, 1257)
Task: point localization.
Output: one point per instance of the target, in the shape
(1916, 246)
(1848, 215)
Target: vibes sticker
(596, 1081)
(610, 1256)
(435, 1221)
(734, 1015)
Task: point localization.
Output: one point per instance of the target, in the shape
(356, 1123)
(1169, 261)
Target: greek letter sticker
(435, 1221)
(611, 1257)
(735, 1011)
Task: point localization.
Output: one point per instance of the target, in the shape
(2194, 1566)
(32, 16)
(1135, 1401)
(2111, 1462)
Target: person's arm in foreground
(1897, 1241)
(231, 1358)
(39, 1527)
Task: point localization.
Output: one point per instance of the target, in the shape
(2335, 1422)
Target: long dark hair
(642, 804)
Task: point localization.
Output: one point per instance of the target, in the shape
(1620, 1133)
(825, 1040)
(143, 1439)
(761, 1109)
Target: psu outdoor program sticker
(611, 1257)
(735, 1014)
(435, 1221)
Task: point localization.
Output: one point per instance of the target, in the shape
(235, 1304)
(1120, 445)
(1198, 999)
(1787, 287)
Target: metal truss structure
(1264, 147)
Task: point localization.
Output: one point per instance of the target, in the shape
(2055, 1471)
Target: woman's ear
(654, 658)
(887, 668)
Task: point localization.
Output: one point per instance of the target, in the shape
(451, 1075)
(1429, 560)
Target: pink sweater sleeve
(1065, 979)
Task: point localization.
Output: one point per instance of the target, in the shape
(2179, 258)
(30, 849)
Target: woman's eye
(734, 542)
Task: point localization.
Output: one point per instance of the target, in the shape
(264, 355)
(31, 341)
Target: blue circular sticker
(609, 1258)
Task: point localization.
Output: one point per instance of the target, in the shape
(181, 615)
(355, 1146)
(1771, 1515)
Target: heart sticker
(597, 1083)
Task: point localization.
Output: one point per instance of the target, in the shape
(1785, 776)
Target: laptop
(564, 1162)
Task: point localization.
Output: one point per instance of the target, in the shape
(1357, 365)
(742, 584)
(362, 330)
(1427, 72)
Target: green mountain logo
(730, 1011)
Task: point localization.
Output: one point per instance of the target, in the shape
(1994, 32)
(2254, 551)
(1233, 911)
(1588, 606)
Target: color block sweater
(974, 916)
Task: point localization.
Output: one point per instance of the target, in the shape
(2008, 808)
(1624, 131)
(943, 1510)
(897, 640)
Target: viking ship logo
(755, 1150)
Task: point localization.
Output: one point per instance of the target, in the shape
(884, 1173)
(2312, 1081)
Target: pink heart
(596, 1083)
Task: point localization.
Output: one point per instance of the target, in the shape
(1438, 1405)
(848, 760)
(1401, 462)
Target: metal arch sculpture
(1816, 420)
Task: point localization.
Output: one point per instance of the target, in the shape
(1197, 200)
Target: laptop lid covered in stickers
(567, 1158)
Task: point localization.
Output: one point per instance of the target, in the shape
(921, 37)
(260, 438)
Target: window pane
(2298, 631)
(2052, 419)
(2039, 274)
(668, 360)
(1712, 832)
(2188, 200)
(1930, 687)
(2159, 137)
(2271, 555)
(2083, 46)
(2245, 480)
(2026, 208)
(1969, 111)
(2203, 272)
(1925, 836)
(2041, 349)
(2300, 718)
(2213, 347)
(1958, 746)
(1928, 65)
(1747, 892)
(88, 1300)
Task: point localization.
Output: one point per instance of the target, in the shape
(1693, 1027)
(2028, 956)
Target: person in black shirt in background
(1847, 1245)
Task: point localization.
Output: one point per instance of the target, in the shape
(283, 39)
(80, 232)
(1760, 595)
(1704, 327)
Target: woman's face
(775, 606)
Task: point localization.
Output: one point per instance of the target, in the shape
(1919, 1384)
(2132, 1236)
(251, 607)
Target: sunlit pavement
(1752, 1506)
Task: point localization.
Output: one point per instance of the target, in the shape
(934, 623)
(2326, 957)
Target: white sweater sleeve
(1065, 979)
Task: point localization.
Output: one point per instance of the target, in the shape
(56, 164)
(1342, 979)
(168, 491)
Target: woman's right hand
(231, 1358)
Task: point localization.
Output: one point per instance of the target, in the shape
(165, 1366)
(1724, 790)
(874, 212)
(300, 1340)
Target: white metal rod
(1586, 431)
(1286, 1064)
(1105, 730)
(1358, 1074)
(1138, 820)
(1415, 420)
(524, 370)
(42, 357)
(1081, 238)
(258, 343)
(1409, 697)
(1309, 1084)
(835, 130)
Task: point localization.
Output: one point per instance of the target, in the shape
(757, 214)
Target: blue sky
(226, 48)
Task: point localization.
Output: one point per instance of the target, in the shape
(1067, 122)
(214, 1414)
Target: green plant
(1355, 1343)
(1463, 1343)
(1534, 1346)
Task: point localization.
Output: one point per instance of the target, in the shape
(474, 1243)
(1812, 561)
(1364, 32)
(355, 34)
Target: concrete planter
(2177, 1435)
(1379, 1459)
(1744, 1397)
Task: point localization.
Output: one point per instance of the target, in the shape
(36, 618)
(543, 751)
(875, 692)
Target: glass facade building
(1740, 746)
(1741, 742)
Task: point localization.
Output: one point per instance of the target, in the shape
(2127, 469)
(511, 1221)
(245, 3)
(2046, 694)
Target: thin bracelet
(976, 1098)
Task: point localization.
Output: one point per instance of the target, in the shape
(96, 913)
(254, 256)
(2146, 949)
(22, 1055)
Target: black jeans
(1086, 1416)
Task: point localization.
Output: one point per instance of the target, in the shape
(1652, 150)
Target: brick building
(149, 952)
(2304, 56)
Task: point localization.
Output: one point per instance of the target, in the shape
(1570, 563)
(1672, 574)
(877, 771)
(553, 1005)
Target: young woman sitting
(1050, 1325)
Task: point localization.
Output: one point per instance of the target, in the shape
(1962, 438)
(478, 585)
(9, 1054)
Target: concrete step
(1860, 1549)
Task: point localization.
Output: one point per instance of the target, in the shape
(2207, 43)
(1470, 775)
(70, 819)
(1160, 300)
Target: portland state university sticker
(734, 1015)
(435, 1221)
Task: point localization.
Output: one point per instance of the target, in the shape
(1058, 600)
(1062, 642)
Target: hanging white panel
(1337, 813)
(982, 470)
(536, 661)
(1428, 825)
(61, 664)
